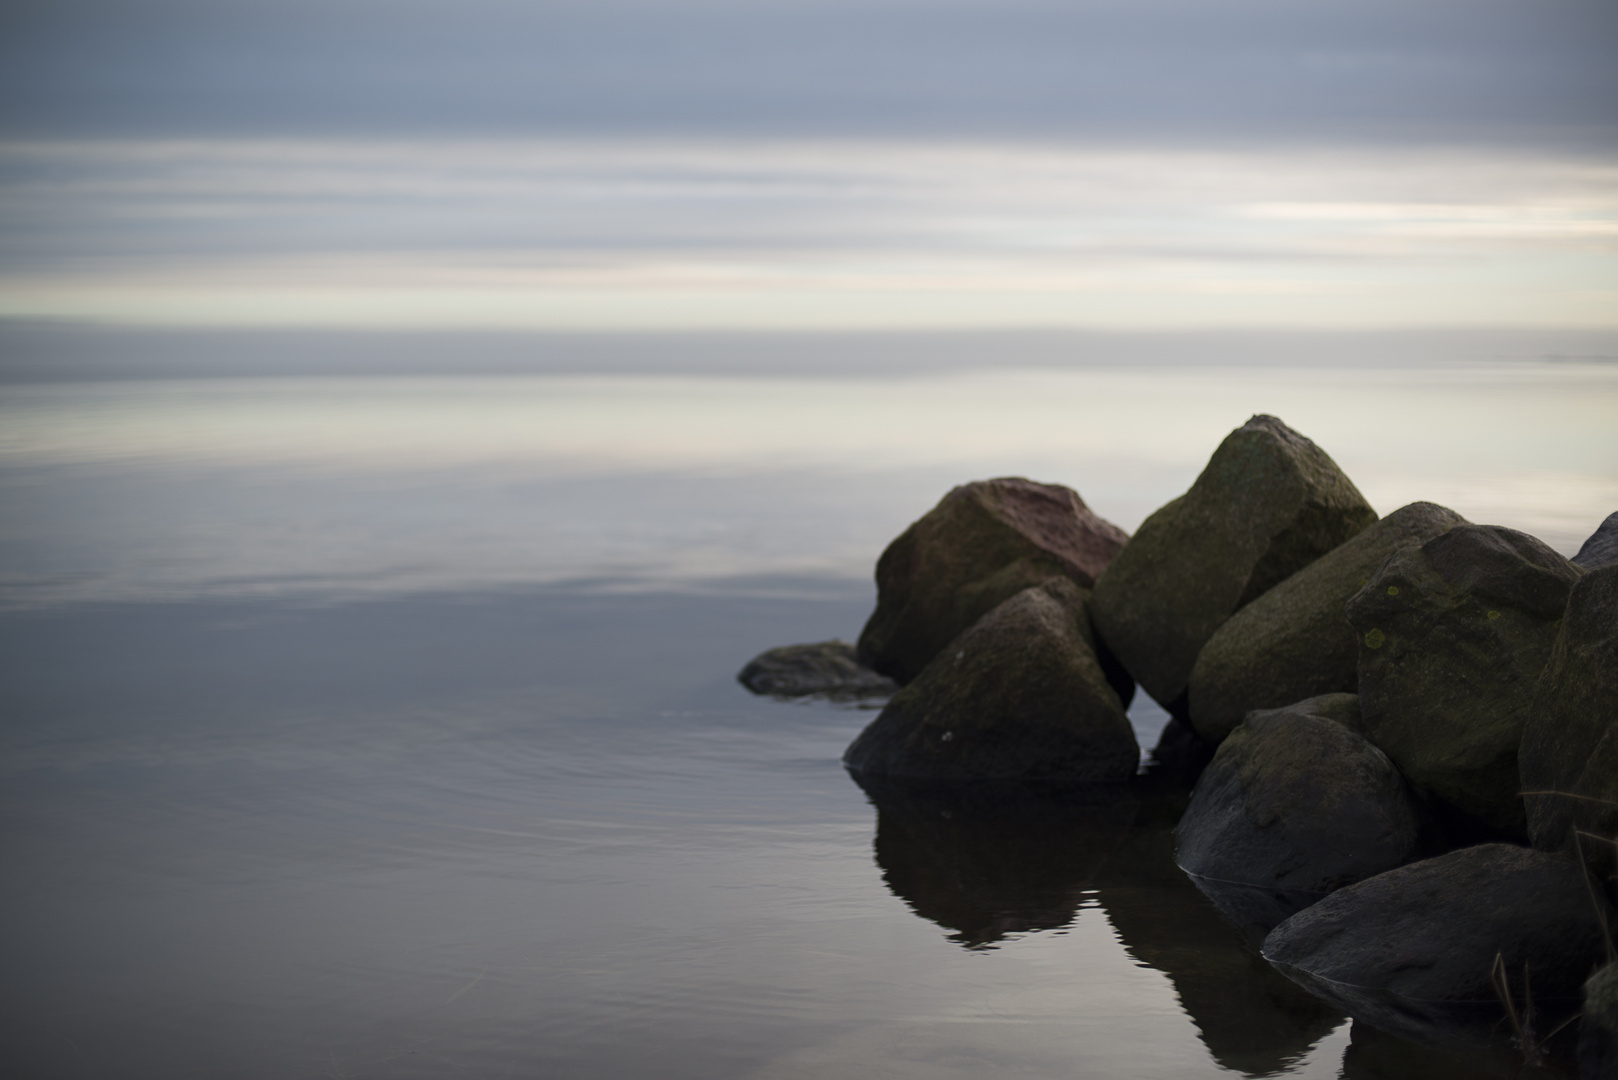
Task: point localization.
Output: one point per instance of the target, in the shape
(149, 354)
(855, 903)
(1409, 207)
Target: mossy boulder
(1453, 636)
(824, 669)
(1269, 503)
(1297, 800)
(1601, 549)
(1018, 696)
(1568, 760)
(983, 543)
(1399, 948)
(1293, 642)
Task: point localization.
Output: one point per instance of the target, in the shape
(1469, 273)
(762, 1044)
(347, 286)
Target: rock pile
(1412, 722)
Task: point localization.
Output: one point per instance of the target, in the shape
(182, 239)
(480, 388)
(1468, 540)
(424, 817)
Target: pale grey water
(389, 727)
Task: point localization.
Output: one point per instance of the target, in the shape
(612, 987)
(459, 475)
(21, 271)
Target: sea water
(388, 726)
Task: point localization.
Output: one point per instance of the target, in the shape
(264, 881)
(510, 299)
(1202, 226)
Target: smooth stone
(983, 543)
(1568, 760)
(1269, 503)
(1294, 642)
(1297, 800)
(1018, 696)
(1598, 1026)
(825, 669)
(1601, 549)
(1412, 949)
(1453, 636)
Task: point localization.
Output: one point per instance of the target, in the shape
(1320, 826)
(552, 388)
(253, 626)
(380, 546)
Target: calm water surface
(389, 728)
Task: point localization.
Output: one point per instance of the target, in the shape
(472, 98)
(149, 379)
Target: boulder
(1602, 547)
(1568, 760)
(1598, 1027)
(1452, 638)
(1293, 642)
(825, 669)
(1297, 800)
(1414, 947)
(983, 543)
(1269, 503)
(1020, 695)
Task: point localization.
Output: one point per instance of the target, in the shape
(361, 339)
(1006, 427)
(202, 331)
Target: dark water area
(544, 833)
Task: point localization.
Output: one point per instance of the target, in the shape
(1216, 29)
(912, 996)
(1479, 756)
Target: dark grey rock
(824, 669)
(983, 543)
(1601, 549)
(1020, 695)
(1412, 949)
(1568, 760)
(1294, 642)
(1598, 1027)
(1269, 503)
(1453, 636)
(1297, 800)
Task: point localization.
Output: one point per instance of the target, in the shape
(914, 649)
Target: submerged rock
(1297, 800)
(1294, 642)
(826, 669)
(1020, 695)
(1452, 638)
(1598, 1027)
(1413, 948)
(1601, 549)
(1568, 760)
(1269, 503)
(983, 543)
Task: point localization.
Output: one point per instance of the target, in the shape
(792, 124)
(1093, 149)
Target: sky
(840, 165)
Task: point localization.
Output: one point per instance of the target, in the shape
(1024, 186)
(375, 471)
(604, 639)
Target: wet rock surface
(1294, 641)
(1020, 695)
(1411, 950)
(1296, 800)
(983, 543)
(1601, 549)
(1568, 760)
(824, 669)
(1269, 503)
(1453, 636)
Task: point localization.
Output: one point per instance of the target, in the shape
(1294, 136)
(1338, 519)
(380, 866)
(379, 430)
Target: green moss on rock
(1293, 642)
(1454, 635)
(1269, 503)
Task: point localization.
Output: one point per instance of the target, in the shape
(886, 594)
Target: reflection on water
(992, 861)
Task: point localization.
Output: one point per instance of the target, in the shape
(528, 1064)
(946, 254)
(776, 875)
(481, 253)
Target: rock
(1020, 695)
(827, 669)
(1296, 800)
(1411, 950)
(983, 543)
(1453, 636)
(1294, 642)
(1602, 547)
(1598, 1027)
(1269, 503)
(1568, 759)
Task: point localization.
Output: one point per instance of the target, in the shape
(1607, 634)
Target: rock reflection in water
(987, 861)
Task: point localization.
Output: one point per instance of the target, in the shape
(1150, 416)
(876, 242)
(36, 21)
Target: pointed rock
(1269, 503)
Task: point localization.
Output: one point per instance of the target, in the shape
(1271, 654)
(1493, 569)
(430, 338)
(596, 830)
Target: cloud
(799, 234)
(1478, 72)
